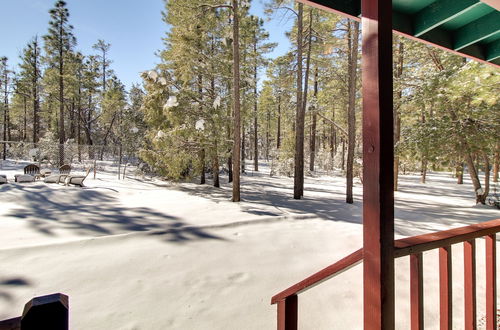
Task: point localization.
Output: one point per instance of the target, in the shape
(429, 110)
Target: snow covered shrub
(70, 151)
(49, 148)
(282, 162)
(324, 160)
(18, 151)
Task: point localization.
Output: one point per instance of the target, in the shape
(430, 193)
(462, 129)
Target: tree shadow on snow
(262, 197)
(7, 283)
(413, 216)
(86, 211)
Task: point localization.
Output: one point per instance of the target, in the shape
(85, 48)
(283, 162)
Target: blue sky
(133, 27)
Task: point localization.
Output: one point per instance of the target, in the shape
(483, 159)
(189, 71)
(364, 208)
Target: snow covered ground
(149, 254)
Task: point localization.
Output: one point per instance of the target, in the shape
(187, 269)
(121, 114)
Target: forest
(217, 105)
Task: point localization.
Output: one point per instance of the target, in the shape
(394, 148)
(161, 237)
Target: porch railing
(287, 300)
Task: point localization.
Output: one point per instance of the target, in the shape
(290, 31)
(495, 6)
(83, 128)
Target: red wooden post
(378, 156)
(445, 293)
(287, 313)
(470, 284)
(491, 286)
(416, 292)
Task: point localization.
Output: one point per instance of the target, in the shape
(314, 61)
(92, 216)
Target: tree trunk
(476, 183)
(255, 118)
(486, 178)
(278, 134)
(34, 87)
(351, 110)
(105, 142)
(496, 164)
(298, 179)
(215, 165)
(423, 169)
(7, 110)
(200, 109)
(202, 166)
(255, 142)
(333, 138)
(72, 128)
(25, 118)
(460, 173)
(5, 113)
(236, 103)
(62, 136)
(397, 117)
(343, 155)
(243, 155)
(104, 71)
(78, 122)
(312, 145)
(268, 128)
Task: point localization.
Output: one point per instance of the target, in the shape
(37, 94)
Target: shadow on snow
(91, 212)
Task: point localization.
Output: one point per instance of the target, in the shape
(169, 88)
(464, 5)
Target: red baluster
(491, 286)
(470, 284)
(445, 306)
(287, 313)
(416, 292)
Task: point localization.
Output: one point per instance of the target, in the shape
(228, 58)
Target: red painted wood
(491, 286)
(378, 157)
(288, 313)
(445, 292)
(415, 245)
(416, 291)
(421, 243)
(323, 275)
(470, 284)
(404, 247)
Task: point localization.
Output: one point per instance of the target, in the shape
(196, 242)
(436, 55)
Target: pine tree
(5, 83)
(256, 39)
(89, 83)
(103, 47)
(31, 74)
(353, 37)
(58, 43)
(298, 177)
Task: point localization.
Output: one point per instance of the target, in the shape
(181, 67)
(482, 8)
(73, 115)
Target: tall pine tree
(58, 43)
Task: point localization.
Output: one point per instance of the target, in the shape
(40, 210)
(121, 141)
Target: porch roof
(469, 28)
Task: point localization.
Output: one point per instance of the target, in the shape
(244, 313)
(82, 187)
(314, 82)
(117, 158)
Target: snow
(160, 134)
(162, 81)
(171, 102)
(153, 75)
(217, 102)
(144, 253)
(200, 125)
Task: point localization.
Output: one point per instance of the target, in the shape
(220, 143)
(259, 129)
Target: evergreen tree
(103, 48)
(5, 83)
(59, 43)
(90, 84)
(353, 37)
(31, 73)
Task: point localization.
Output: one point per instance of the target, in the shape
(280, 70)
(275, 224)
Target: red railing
(287, 300)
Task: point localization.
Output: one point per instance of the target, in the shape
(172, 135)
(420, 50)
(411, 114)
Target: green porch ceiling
(493, 51)
(469, 28)
(480, 29)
